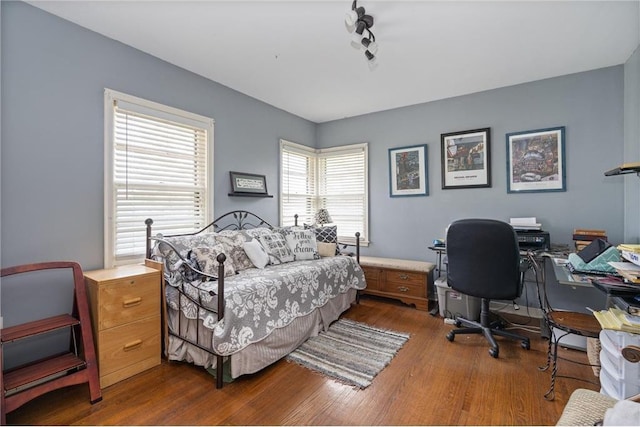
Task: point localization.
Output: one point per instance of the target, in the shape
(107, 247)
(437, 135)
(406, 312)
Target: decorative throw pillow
(254, 233)
(326, 249)
(208, 263)
(276, 247)
(326, 234)
(233, 242)
(301, 242)
(256, 253)
(187, 273)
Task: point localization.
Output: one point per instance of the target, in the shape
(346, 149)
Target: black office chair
(484, 262)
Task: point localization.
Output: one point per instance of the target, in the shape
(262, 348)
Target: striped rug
(350, 352)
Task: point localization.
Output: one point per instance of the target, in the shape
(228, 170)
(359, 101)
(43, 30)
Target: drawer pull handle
(132, 345)
(131, 302)
(404, 277)
(403, 288)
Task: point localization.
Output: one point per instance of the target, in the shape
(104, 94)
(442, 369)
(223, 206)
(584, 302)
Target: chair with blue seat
(484, 262)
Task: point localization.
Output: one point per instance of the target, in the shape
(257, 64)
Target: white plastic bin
(614, 385)
(620, 366)
(453, 303)
(619, 339)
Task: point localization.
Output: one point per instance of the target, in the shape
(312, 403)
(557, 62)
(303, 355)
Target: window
(158, 164)
(331, 178)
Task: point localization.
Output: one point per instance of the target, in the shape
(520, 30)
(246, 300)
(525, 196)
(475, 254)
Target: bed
(221, 309)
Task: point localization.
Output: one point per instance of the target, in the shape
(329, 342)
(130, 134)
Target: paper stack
(618, 320)
(628, 270)
(528, 223)
(630, 252)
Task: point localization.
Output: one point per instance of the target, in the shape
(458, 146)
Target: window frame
(318, 199)
(161, 112)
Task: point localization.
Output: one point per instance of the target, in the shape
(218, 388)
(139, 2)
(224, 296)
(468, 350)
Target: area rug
(350, 352)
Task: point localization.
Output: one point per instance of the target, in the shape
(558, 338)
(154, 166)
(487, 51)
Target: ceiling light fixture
(358, 22)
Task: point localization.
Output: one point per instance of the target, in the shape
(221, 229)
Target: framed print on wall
(408, 171)
(466, 160)
(248, 183)
(535, 161)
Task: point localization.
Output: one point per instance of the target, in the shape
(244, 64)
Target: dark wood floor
(430, 382)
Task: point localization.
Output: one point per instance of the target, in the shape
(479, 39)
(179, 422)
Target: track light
(357, 22)
(353, 17)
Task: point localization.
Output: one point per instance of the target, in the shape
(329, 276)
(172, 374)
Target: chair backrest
(483, 259)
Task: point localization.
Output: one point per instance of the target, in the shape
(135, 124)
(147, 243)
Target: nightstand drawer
(129, 299)
(401, 277)
(126, 345)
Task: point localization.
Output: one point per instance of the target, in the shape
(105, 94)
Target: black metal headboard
(234, 220)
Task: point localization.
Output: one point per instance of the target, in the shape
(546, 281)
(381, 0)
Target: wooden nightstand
(125, 313)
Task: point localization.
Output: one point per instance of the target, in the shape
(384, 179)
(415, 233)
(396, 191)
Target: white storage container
(620, 339)
(614, 385)
(453, 303)
(621, 367)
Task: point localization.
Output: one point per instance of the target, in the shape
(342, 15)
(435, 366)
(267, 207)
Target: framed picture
(408, 171)
(466, 160)
(535, 161)
(248, 183)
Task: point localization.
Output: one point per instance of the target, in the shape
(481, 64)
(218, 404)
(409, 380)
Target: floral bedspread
(258, 301)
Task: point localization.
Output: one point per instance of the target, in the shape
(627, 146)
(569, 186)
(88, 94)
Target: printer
(533, 240)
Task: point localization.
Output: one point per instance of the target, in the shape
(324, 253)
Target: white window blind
(298, 183)
(342, 189)
(157, 166)
(333, 178)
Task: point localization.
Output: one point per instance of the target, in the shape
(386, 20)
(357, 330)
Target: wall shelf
(249, 195)
(624, 169)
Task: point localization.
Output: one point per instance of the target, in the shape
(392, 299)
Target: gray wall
(589, 105)
(53, 77)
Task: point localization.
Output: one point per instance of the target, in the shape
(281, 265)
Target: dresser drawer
(129, 299)
(405, 288)
(372, 276)
(401, 277)
(128, 344)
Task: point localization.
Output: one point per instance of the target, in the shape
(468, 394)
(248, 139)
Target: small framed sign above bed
(248, 184)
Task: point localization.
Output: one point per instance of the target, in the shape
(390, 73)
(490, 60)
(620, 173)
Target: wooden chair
(77, 366)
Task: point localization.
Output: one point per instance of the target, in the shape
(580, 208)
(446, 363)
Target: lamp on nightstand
(322, 217)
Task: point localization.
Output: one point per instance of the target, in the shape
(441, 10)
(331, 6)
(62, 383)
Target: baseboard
(507, 307)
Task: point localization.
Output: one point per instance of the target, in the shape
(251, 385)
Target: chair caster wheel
(493, 352)
(450, 336)
(525, 344)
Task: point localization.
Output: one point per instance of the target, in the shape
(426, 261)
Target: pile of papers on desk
(618, 320)
(630, 271)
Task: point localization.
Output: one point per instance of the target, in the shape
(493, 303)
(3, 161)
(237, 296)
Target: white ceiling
(296, 55)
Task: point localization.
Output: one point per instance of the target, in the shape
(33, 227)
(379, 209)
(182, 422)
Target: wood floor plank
(430, 382)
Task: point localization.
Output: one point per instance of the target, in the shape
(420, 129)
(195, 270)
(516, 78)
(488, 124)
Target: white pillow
(302, 243)
(326, 249)
(276, 247)
(256, 253)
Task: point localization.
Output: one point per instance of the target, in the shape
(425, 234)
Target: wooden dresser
(405, 280)
(125, 314)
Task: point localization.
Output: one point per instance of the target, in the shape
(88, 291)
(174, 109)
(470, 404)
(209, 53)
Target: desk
(565, 277)
(439, 250)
